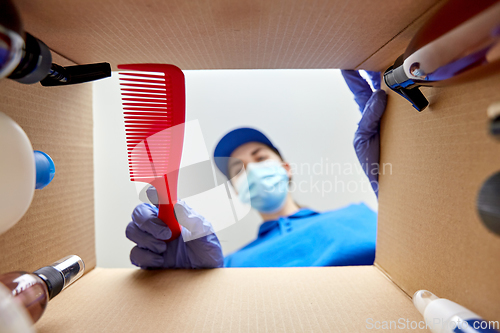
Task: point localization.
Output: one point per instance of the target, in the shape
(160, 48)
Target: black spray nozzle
(36, 66)
(396, 79)
(61, 76)
(26, 59)
(495, 127)
(35, 62)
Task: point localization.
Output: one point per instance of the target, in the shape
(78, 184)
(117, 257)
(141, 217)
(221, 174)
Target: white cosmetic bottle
(21, 171)
(444, 316)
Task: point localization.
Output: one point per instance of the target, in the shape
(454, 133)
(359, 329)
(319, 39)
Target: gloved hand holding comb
(196, 247)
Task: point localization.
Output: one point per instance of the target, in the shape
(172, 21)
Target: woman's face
(252, 152)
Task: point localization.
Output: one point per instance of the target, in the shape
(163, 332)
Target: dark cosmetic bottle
(34, 290)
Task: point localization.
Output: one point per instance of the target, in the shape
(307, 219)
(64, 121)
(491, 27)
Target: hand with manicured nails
(372, 106)
(196, 247)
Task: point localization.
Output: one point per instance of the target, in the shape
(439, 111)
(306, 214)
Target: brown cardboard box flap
(429, 233)
(226, 34)
(60, 220)
(428, 237)
(321, 299)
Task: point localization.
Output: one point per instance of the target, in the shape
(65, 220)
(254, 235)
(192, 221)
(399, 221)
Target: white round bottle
(17, 172)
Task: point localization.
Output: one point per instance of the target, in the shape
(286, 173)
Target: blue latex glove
(367, 136)
(359, 87)
(196, 247)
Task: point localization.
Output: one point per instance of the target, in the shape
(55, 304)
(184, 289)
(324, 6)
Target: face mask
(265, 187)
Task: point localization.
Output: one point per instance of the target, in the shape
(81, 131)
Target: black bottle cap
(52, 278)
(488, 203)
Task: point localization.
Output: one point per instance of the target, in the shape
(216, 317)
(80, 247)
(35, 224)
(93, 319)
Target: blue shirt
(343, 237)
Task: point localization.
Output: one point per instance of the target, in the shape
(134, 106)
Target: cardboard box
(429, 235)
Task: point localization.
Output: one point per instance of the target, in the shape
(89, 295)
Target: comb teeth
(154, 101)
(147, 105)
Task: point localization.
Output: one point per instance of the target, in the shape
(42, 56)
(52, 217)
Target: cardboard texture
(321, 299)
(388, 53)
(227, 34)
(429, 233)
(60, 220)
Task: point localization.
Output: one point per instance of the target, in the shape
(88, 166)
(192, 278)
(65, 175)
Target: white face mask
(265, 187)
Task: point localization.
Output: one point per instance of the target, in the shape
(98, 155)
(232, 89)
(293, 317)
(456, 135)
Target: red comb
(154, 109)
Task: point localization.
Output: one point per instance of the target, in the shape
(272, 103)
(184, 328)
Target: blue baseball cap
(233, 140)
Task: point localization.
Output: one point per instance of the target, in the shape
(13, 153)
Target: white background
(310, 115)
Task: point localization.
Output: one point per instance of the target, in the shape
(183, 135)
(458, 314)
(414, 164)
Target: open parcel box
(429, 234)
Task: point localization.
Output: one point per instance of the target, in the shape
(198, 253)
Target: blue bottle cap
(45, 169)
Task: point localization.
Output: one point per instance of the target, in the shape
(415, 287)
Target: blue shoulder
(358, 210)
